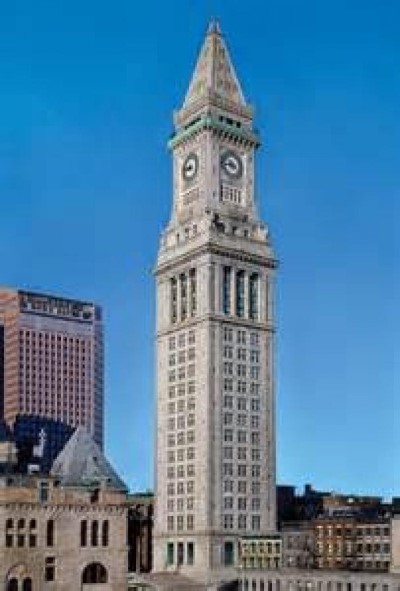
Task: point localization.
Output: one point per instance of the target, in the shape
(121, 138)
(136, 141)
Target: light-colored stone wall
(306, 580)
(395, 544)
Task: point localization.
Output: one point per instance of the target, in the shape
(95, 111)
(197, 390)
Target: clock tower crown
(213, 148)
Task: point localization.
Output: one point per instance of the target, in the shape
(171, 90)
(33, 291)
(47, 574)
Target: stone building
(298, 544)
(51, 359)
(67, 530)
(140, 532)
(215, 456)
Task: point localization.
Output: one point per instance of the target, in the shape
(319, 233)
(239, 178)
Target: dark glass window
(174, 299)
(193, 292)
(50, 533)
(94, 573)
(84, 533)
(180, 553)
(190, 553)
(95, 534)
(228, 554)
(183, 286)
(105, 533)
(170, 553)
(12, 585)
(50, 568)
(253, 296)
(240, 294)
(226, 290)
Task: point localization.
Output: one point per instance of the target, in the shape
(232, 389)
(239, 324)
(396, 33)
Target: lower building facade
(59, 539)
(317, 580)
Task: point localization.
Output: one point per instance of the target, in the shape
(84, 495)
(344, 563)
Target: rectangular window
(43, 492)
(180, 554)
(242, 470)
(253, 296)
(190, 553)
(50, 568)
(174, 299)
(170, 553)
(240, 294)
(193, 292)
(226, 290)
(242, 404)
(184, 303)
(228, 335)
(228, 521)
(228, 435)
(228, 502)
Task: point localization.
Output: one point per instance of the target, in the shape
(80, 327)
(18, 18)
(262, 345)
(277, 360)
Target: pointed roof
(214, 74)
(82, 463)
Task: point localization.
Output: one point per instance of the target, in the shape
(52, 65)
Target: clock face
(190, 167)
(232, 165)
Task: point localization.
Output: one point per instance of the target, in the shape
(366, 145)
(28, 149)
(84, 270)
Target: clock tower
(215, 448)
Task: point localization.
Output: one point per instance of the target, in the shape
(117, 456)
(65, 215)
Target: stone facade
(60, 539)
(395, 555)
(215, 453)
(301, 580)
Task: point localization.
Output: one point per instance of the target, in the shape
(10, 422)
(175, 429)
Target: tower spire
(214, 75)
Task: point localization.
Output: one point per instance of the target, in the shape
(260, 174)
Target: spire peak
(214, 28)
(214, 77)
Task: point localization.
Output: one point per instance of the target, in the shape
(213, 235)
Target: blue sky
(87, 91)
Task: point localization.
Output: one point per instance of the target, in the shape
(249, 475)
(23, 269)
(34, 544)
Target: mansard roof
(82, 463)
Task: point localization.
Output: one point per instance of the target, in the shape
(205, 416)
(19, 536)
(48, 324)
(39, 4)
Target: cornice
(235, 254)
(210, 123)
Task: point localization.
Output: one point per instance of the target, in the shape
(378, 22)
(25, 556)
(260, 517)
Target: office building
(51, 359)
(215, 458)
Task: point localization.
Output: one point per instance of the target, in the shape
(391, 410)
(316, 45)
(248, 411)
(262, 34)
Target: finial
(214, 27)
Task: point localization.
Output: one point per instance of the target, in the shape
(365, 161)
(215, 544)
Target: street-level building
(298, 544)
(66, 530)
(215, 456)
(51, 359)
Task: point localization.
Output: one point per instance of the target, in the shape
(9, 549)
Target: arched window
(50, 532)
(12, 585)
(94, 573)
(27, 585)
(95, 534)
(105, 533)
(84, 533)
